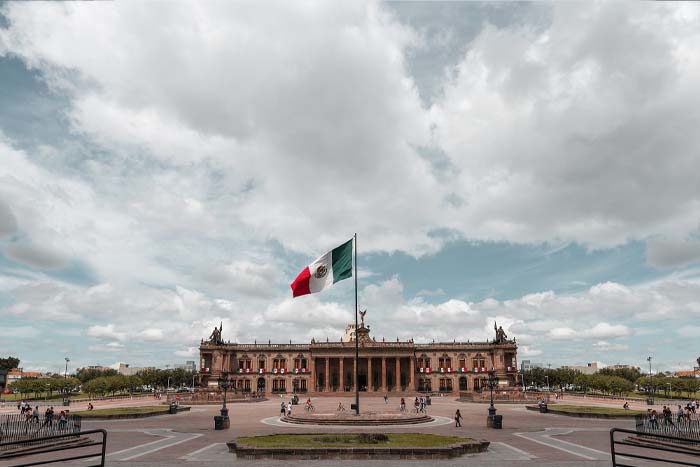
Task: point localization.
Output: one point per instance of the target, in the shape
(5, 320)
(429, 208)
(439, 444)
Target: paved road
(528, 438)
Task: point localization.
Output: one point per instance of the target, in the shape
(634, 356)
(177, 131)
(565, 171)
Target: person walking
(35, 414)
(386, 398)
(282, 409)
(289, 409)
(62, 421)
(653, 422)
(458, 419)
(402, 407)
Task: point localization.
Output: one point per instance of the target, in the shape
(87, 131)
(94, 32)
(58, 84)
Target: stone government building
(328, 367)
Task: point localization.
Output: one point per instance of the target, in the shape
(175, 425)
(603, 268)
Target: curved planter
(554, 410)
(118, 416)
(345, 453)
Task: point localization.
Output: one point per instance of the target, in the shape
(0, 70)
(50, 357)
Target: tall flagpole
(357, 344)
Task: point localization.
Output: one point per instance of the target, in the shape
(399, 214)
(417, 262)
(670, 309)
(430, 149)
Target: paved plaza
(527, 438)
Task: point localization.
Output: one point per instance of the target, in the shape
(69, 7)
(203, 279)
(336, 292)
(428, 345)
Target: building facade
(384, 366)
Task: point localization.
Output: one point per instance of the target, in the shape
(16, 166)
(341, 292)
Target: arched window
(445, 361)
(300, 362)
(463, 383)
(423, 361)
(279, 363)
(279, 385)
(462, 360)
(445, 384)
(244, 362)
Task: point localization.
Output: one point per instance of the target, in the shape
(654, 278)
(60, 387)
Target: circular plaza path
(527, 438)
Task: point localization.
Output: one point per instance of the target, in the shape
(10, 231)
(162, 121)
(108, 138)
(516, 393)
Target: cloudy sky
(164, 168)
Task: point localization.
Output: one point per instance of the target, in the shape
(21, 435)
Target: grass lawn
(321, 440)
(592, 409)
(122, 411)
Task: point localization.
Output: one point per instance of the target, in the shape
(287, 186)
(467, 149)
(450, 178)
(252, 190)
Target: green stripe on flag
(342, 261)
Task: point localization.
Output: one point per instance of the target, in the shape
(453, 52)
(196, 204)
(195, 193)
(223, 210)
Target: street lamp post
(66, 401)
(222, 422)
(493, 420)
(650, 398)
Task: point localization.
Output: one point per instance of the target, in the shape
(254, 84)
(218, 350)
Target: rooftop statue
(501, 336)
(215, 337)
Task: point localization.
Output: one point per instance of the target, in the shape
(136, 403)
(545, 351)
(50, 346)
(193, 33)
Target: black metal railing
(28, 453)
(645, 447)
(18, 427)
(685, 427)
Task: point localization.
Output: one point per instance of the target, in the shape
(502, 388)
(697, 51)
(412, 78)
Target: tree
(86, 374)
(9, 363)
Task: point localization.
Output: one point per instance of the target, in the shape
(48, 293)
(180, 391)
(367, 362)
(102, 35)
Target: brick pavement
(528, 438)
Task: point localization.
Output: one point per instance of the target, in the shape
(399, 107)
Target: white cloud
(152, 334)
(609, 347)
(105, 332)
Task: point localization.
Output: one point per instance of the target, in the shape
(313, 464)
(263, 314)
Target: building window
(423, 361)
(462, 362)
(445, 384)
(279, 364)
(300, 385)
(279, 385)
(244, 363)
(445, 362)
(463, 383)
(300, 363)
(261, 363)
(479, 362)
(243, 385)
(424, 385)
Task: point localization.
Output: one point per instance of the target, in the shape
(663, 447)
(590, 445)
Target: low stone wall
(554, 410)
(219, 402)
(358, 420)
(344, 453)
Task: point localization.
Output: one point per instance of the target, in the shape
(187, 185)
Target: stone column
(412, 373)
(383, 381)
(370, 386)
(341, 366)
(312, 367)
(398, 374)
(328, 374)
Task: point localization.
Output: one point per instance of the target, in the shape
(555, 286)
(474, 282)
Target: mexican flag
(328, 269)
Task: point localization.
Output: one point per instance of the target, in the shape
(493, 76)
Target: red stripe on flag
(300, 286)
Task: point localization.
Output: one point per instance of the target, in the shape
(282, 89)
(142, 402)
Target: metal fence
(17, 427)
(647, 448)
(686, 427)
(57, 449)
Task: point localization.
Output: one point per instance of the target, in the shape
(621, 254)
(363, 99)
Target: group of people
(683, 414)
(31, 415)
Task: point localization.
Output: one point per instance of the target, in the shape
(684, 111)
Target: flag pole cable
(357, 344)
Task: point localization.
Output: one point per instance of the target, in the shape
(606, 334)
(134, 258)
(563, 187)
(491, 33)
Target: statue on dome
(362, 318)
(501, 336)
(215, 337)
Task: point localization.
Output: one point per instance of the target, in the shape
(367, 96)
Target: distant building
(189, 366)
(126, 370)
(527, 365)
(96, 367)
(16, 374)
(589, 369)
(623, 367)
(687, 374)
